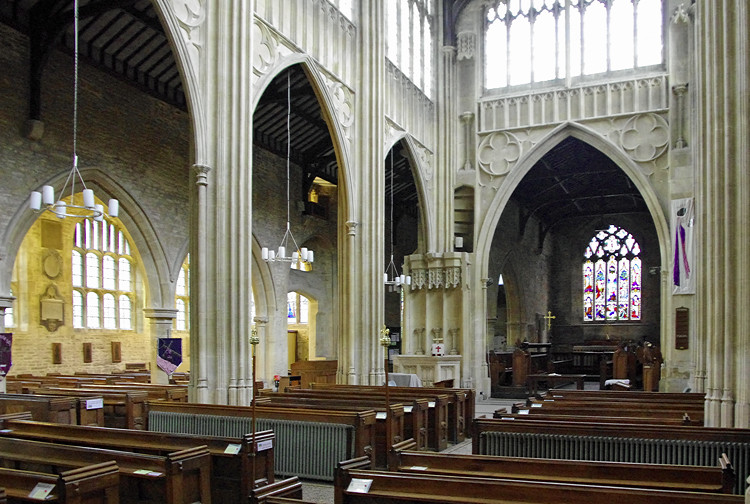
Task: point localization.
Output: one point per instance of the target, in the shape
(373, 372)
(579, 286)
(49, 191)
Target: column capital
(6, 302)
(160, 313)
(261, 321)
(351, 228)
(201, 172)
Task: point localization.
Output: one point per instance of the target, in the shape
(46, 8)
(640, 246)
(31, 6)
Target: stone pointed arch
(335, 127)
(186, 53)
(160, 291)
(529, 159)
(418, 171)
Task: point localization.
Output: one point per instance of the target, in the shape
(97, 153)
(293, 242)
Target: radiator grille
(304, 449)
(617, 449)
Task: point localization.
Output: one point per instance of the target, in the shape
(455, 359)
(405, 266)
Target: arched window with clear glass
(612, 277)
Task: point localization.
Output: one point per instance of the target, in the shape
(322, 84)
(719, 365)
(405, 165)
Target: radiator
(305, 449)
(616, 449)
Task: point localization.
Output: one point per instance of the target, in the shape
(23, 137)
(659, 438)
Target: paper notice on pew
(358, 485)
(536, 405)
(41, 491)
(523, 412)
(381, 415)
(232, 449)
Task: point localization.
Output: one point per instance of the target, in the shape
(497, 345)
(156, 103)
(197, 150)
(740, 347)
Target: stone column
(723, 186)
(447, 139)
(161, 327)
(366, 267)
(222, 243)
(199, 306)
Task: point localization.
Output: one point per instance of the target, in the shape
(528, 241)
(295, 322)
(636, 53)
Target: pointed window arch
(101, 275)
(612, 277)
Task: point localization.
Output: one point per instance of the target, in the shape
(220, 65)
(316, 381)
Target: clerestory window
(409, 40)
(532, 41)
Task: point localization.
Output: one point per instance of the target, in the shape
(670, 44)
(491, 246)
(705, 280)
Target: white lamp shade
(310, 256)
(48, 195)
(271, 255)
(60, 209)
(295, 256)
(264, 253)
(113, 208)
(303, 253)
(408, 279)
(99, 215)
(282, 252)
(385, 277)
(35, 200)
(88, 198)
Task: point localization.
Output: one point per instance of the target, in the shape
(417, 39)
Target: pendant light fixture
(391, 277)
(45, 200)
(301, 256)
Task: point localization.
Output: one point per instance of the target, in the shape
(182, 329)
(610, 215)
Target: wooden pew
(232, 459)
(642, 410)
(123, 409)
(382, 445)
(437, 413)
(177, 393)
(182, 477)
(415, 411)
(406, 488)
(460, 403)
(343, 434)
(616, 442)
(92, 484)
(45, 408)
(719, 479)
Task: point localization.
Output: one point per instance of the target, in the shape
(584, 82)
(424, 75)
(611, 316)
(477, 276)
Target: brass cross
(549, 318)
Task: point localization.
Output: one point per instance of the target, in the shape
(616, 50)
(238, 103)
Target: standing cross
(549, 318)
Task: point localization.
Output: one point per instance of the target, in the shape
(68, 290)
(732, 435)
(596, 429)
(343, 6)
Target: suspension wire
(288, 139)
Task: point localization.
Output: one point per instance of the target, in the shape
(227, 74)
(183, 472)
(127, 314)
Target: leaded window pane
(108, 272)
(109, 313)
(126, 322)
(92, 271)
(77, 310)
(93, 320)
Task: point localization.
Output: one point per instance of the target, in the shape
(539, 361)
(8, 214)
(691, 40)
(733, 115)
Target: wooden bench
(233, 461)
(45, 408)
(406, 488)
(300, 434)
(123, 409)
(616, 442)
(415, 411)
(382, 443)
(92, 484)
(687, 415)
(177, 393)
(553, 380)
(719, 479)
(182, 477)
(460, 404)
(437, 413)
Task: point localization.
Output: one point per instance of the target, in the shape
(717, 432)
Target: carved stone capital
(351, 228)
(201, 174)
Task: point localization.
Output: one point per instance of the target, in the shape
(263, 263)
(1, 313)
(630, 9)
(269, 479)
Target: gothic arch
(327, 107)
(525, 163)
(160, 291)
(177, 32)
(418, 169)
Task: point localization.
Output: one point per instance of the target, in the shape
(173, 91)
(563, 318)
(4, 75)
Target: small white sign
(536, 405)
(431, 404)
(232, 449)
(523, 412)
(381, 415)
(358, 485)
(408, 409)
(264, 445)
(94, 403)
(418, 468)
(41, 491)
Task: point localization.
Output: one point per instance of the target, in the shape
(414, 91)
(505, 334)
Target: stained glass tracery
(612, 276)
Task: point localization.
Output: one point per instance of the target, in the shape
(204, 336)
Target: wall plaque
(681, 328)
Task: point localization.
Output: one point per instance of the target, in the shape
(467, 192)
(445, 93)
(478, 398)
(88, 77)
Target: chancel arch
(566, 187)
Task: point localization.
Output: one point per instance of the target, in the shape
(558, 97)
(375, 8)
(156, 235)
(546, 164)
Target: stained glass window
(545, 40)
(182, 297)
(612, 277)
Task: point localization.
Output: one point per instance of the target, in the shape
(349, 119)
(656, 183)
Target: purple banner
(169, 354)
(6, 341)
